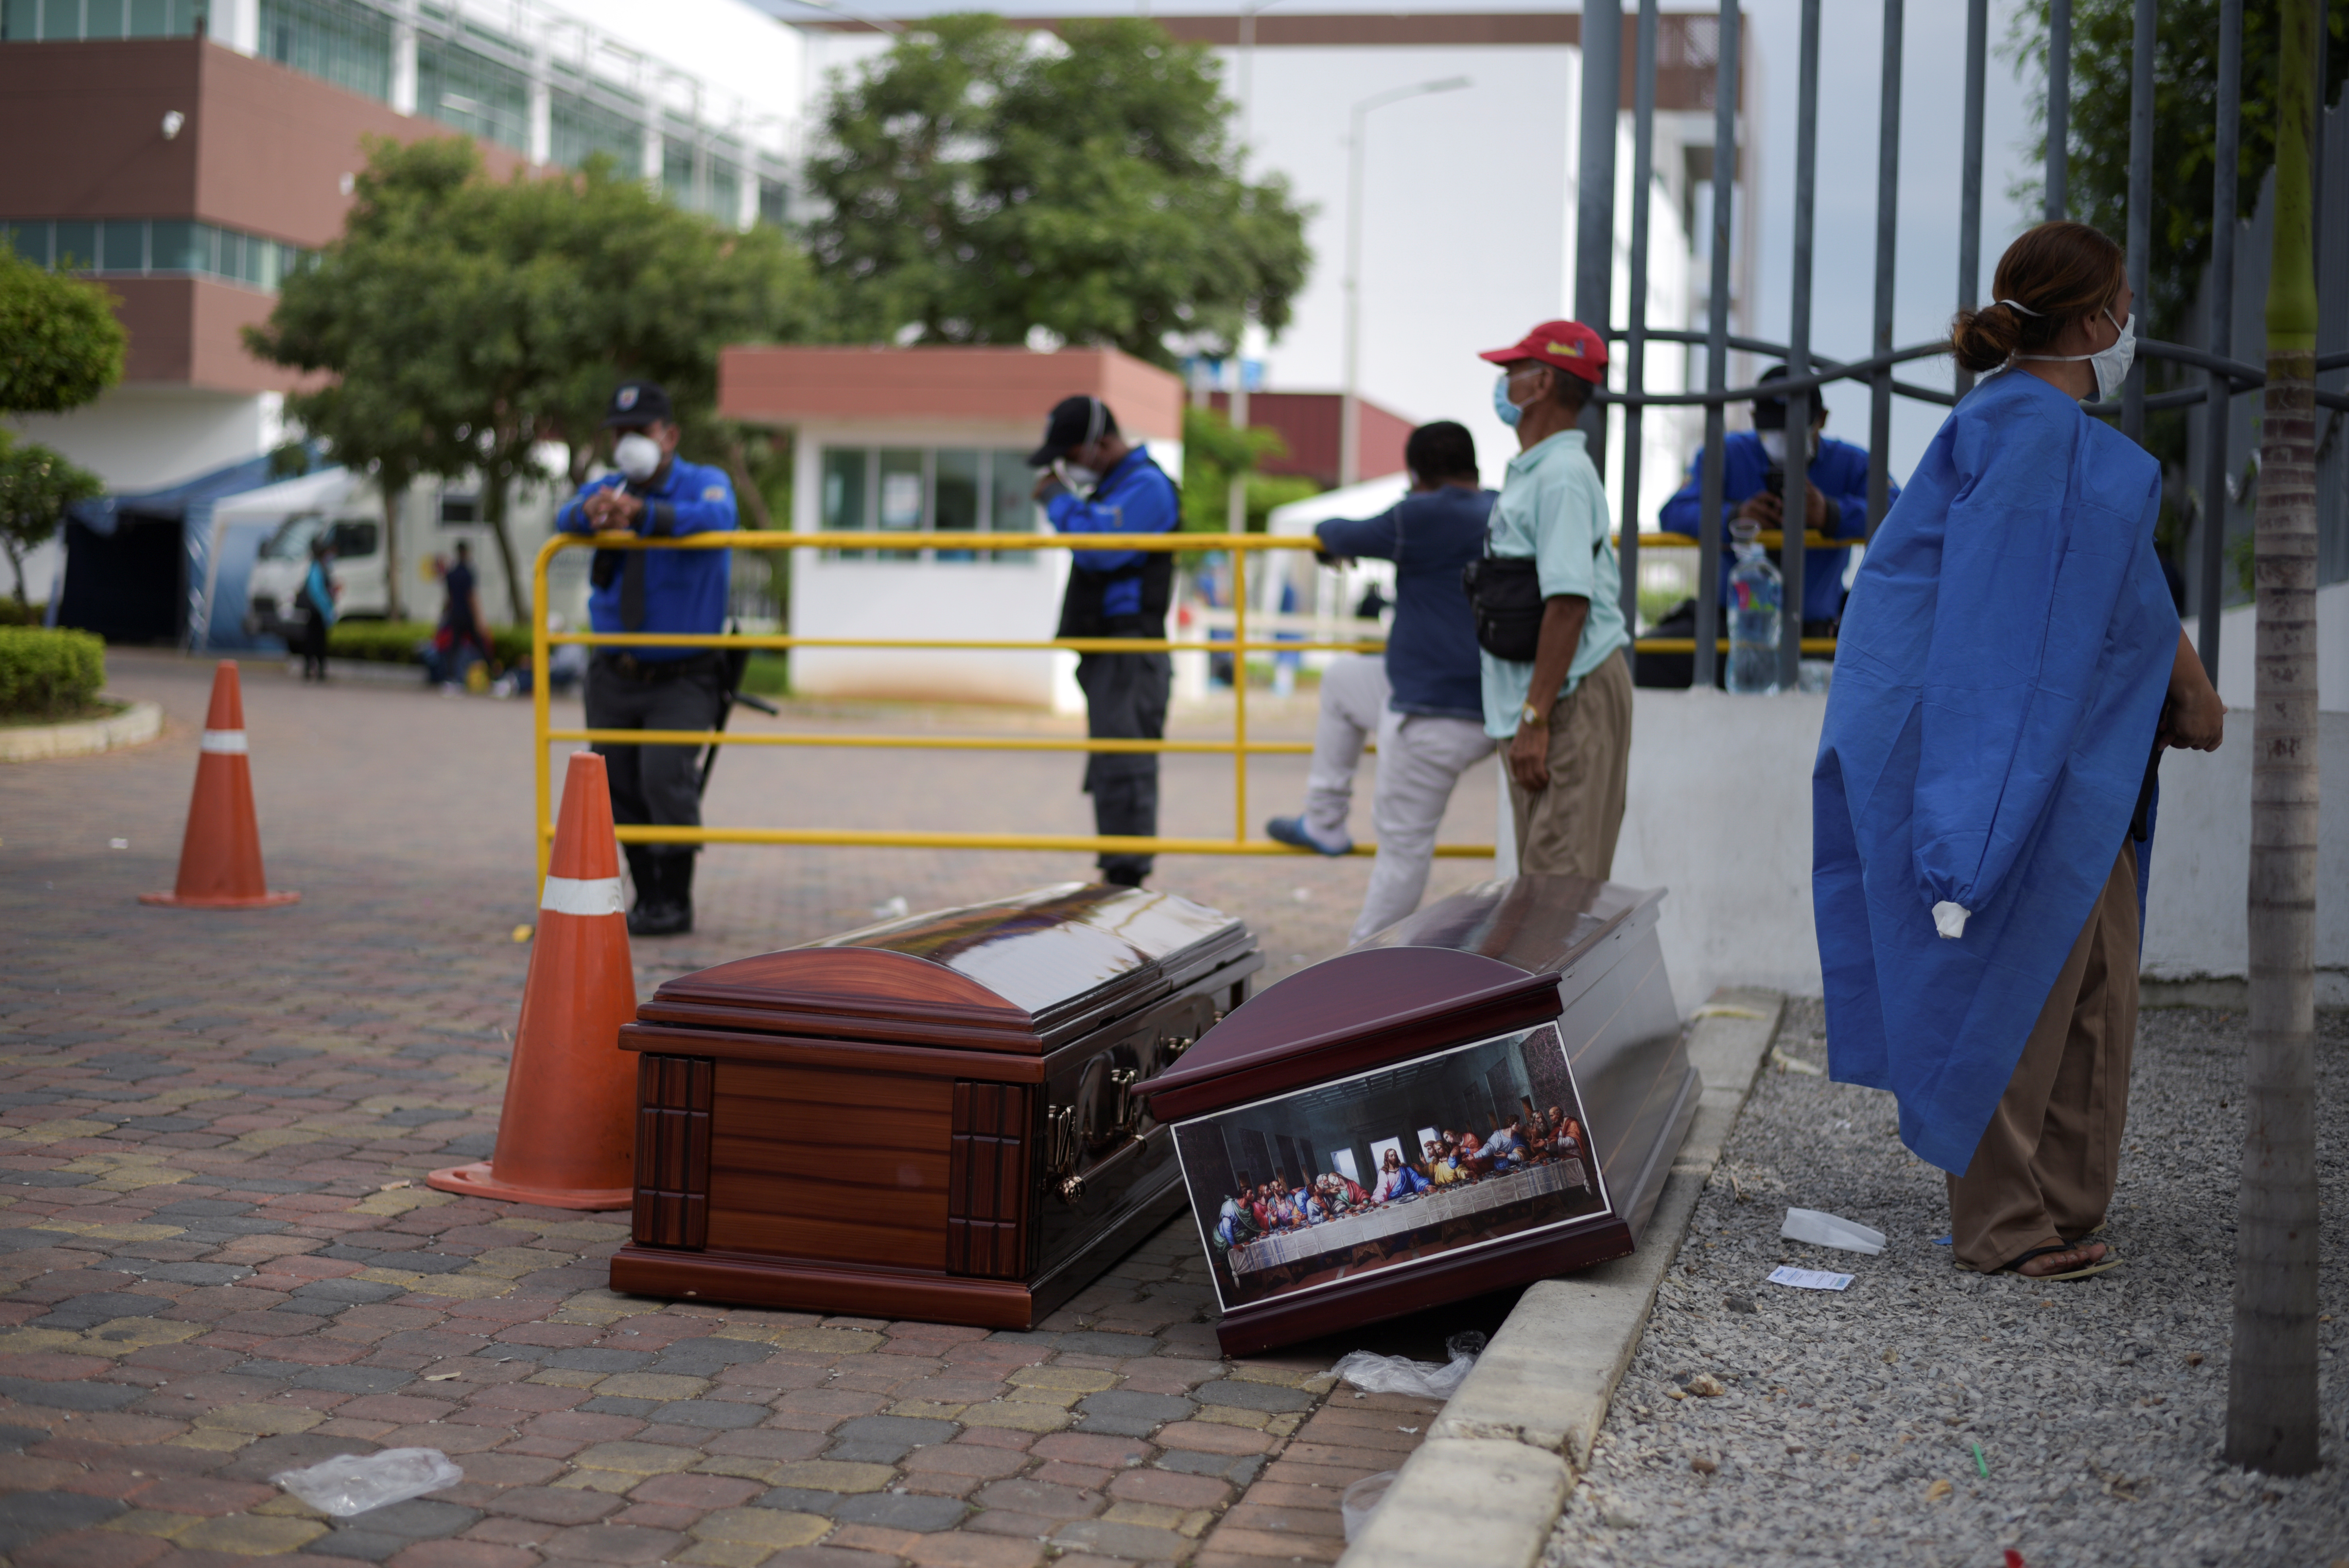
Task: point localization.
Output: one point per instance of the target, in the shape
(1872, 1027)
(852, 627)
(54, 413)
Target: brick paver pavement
(217, 1260)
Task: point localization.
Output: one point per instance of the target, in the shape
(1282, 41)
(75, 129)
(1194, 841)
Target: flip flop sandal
(2112, 1259)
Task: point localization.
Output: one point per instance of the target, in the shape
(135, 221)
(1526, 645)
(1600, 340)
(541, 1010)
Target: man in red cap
(1549, 613)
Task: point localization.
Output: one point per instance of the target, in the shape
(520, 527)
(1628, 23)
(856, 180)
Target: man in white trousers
(1423, 698)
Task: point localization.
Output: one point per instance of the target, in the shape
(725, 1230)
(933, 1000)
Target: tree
(469, 322)
(60, 345)
(2185, 126)
(1214, 454)
(37, 485)
(2271, 1415)
(981, 183)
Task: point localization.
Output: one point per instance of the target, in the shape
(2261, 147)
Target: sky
(1465, 194)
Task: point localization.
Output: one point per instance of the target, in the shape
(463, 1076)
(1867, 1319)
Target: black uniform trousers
(1125, 699)
(654, 786)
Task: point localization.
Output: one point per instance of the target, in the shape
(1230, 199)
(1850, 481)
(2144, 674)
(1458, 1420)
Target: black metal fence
(2225, 376)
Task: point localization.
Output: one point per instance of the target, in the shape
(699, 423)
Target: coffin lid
(1003, 974)
(1489, 950)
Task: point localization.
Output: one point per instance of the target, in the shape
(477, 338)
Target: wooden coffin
(933, 1117)
(1516, 998)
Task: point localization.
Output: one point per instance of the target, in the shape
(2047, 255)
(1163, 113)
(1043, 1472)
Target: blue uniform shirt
(1135, 496)
(685, 589)
(1840, 471)
(1432, 666)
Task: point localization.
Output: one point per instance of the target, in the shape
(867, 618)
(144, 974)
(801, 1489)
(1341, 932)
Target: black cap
(636, 405)
(1073, 422)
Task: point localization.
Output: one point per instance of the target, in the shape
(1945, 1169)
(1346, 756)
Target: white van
(273, 592)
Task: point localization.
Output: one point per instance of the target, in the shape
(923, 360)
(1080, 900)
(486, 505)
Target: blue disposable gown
(1997, 684)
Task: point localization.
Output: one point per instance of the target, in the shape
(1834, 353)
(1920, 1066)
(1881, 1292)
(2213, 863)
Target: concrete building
(187, 153)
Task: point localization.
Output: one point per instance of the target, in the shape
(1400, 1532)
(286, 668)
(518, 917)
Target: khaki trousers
(1570, 829)
(2044, 1170)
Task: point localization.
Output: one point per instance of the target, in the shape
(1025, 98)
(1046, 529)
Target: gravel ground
(1847, 1426)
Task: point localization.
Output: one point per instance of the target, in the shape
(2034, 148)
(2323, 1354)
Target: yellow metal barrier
(1239, 748)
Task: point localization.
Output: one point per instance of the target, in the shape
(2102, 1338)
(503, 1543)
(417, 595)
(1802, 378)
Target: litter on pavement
(1825, 1230)
(354, 1483)
(1809, 1279)
(1376, 1374)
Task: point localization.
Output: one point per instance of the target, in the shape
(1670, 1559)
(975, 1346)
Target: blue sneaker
(1292, 831)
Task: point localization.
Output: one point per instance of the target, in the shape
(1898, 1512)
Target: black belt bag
(1504, 592)
(653, 671)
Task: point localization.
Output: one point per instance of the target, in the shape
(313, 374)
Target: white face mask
(1774, 447)
(637, 455)
(1078, 477)
(2111, 365)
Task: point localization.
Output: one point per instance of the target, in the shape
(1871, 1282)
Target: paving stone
(1112, 1539)
(16, 1440)
(909, 1432)
(345, 1379)
(799, 1499)
(761, 1527)
(706, 1413)
(349, 1289)
(197, 1272)
(70, 1395)
(26, 1516)
(1253, 1396)
(362, 1545)
(98, 1306)
(899, 1511)
(1122, 1414)
(1084, 1343)
(595, 1358)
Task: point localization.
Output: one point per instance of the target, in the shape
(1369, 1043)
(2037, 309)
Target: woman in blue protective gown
(2009, 667)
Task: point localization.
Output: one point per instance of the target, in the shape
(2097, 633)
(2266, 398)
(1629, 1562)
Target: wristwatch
(1531, 717)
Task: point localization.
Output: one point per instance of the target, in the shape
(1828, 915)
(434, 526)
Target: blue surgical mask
(1509, 412)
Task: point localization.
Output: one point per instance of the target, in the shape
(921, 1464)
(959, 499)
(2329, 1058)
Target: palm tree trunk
(2271, 1417)
(497, 489)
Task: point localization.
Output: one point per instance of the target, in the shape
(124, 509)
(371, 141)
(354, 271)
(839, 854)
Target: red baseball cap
(1566, 346)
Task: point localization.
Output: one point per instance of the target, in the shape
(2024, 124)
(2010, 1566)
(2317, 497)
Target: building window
(471, 92)
(580, 128)
(933, 490)
(32, 21)
(152, 247)
(335, 40)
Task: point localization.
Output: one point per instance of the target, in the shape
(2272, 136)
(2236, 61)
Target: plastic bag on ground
(1361, 1500)
(354, 1483)
(1376, 1374)
(1825, 1230)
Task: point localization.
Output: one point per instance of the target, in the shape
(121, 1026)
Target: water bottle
(1757, 603)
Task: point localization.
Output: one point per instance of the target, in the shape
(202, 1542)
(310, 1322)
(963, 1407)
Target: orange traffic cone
(220, 859)
(567, 1138)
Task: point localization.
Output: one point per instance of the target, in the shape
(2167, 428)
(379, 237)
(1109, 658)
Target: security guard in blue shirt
(655, 494)
(1114, 593)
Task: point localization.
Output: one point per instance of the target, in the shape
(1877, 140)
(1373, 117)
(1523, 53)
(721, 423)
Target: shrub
(395, 641)
(45, 674)
(15, 614)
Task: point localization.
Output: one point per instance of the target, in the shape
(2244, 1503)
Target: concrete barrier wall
(1720, 814)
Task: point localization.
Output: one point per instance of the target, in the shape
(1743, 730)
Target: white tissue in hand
(1950, 919)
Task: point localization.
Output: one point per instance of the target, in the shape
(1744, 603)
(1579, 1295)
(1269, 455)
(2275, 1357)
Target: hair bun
(1985, 339)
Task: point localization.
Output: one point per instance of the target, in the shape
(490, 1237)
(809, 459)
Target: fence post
(1970, 182)
(1594, 227)
(1716, 373)
(2212, 598)
(1796, 519)
(2059, 109)
(2140, 205)
(1635, 336)
(1888, 222)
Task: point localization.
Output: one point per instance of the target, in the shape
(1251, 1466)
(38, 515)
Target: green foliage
(60, 344)
(11, 613)
(2185, 126)
(1213, 452)
(401, 642)
(37, 485)
(467, 320)
(768, 675)
(981, 180)
(49, 674)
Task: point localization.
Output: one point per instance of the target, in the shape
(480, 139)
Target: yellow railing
(1239, 748)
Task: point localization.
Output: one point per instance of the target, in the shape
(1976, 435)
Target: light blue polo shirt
(1553, 507)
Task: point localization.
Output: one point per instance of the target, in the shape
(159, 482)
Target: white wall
(2238, 642)
(1720, 814)
(150, 438)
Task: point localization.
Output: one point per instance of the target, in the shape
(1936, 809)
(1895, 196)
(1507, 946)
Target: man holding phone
(1755, 467)
(1094, 481)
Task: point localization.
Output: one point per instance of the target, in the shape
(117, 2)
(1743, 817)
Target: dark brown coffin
(933, 1117)
(1378, 1029)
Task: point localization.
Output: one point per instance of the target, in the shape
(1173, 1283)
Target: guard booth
(910, 440)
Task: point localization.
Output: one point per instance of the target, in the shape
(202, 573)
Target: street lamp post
(1350, 440)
